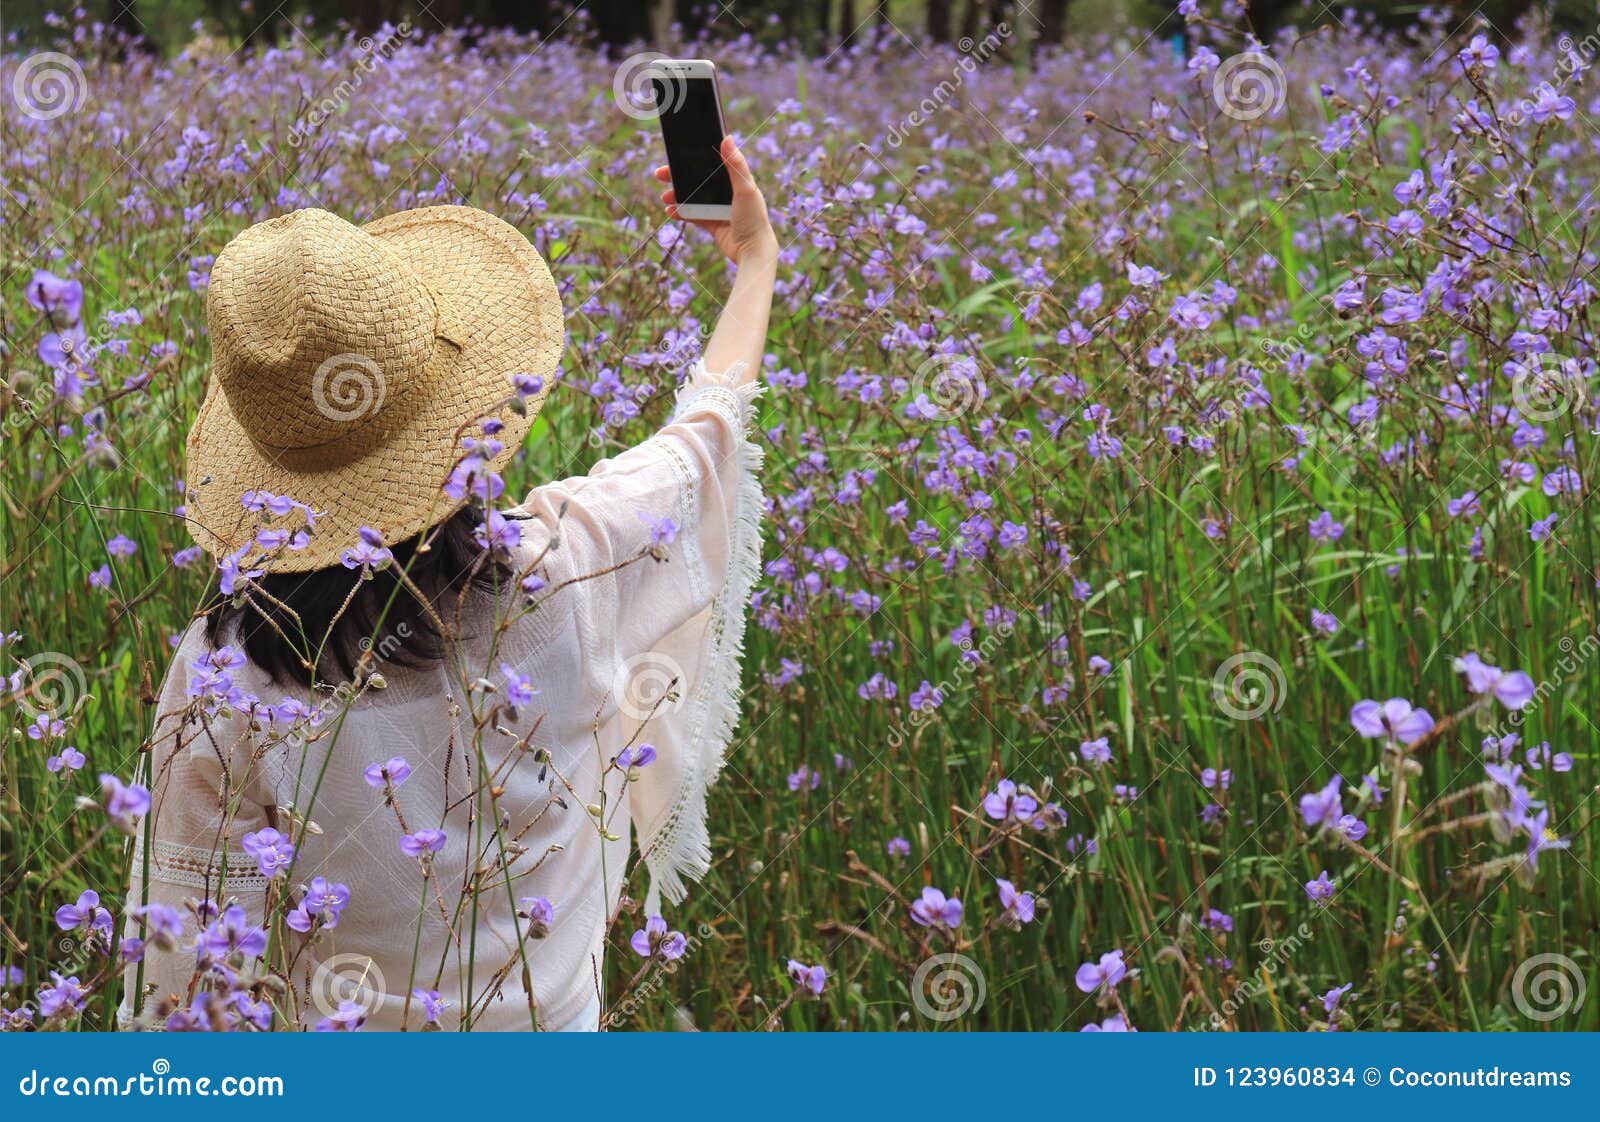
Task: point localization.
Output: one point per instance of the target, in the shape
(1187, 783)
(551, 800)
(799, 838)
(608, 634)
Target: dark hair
(282, 630)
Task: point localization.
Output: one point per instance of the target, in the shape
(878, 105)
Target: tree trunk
(969, 20)
(1052, 22)
(939, 20)
(661, 17)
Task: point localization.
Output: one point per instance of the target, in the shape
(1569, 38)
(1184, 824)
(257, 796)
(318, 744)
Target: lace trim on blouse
(680, 848)
(192, 867)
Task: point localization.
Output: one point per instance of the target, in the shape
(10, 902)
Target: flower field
(1180, 605)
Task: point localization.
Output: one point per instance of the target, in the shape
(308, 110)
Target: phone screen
(691, 125)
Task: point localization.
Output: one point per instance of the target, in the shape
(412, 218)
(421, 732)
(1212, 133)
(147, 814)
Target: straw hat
(347, 364)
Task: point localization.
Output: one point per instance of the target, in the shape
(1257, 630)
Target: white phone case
(693, 68)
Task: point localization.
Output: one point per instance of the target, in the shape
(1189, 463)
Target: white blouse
(622, 650)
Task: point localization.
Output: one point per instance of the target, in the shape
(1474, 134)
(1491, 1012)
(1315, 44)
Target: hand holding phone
(711, 184)
(747, 233)
(687, 104)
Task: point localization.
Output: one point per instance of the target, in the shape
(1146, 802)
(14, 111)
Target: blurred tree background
(813, 25)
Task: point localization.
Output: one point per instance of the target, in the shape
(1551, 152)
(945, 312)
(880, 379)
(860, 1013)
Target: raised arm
(746, 239)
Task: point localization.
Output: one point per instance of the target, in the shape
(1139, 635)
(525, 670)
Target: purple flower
(1541, 838)
(926, 698)
(323, 902)
(879, 687)
(813, 978)
(1144, 276)
(87, 913)
(121, 546)
(472, 475)
(1540, 756)
(198, 1016)
(663, 531)
(232, 576)
(1103, 976)
(1479, 52)
(1351, 827)
(1331, 999)
(163, 926)
(1322, 809)
(124, 805)
(1394, 718)
(934, 909)
(422, 842)
(1006, 803)
(70, 758)
(349, 1017)
(392, 772)
(66, 994)
(368, 552)
(519, 688)
(540, 914)
(527, 385)
(45, 725)
(1215, 920)
(272, 851)
(642, 756)
(498, 534)
(1325, 529)
(1017, 906)
(1512, 689)
(1320, 891)
(656, 940)
(1467, 504)
(1324, 622)
(252, 1012)
(59, 299)
(1096, 751)
(232, 934)
(433, 1005)
(804, 779)
(66, 352)
(898, 847)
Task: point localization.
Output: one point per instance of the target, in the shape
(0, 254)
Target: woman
(397, 764)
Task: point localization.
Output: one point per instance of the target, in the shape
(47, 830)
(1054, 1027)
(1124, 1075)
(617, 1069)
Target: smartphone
(690, 111)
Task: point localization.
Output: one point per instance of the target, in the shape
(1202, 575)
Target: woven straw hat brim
(503, 309)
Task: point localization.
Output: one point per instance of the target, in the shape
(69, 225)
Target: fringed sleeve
(665, 636)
